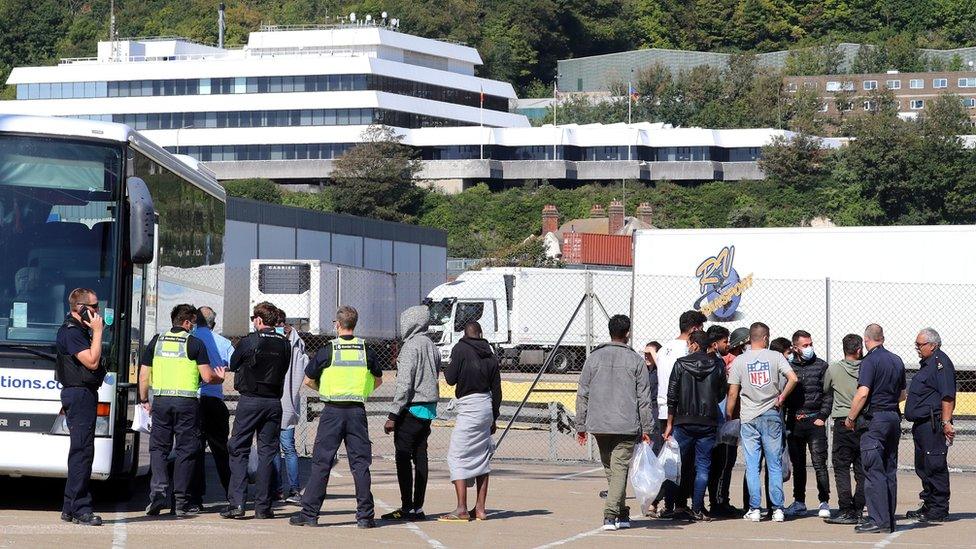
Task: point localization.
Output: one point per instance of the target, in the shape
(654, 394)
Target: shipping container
(597, 249)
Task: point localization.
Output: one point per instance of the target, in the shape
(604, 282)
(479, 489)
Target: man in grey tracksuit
(414, 407)
(290, 410)
(613, 402)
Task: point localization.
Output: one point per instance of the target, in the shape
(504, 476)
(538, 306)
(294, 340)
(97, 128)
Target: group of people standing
(783, 396)
(181, 387)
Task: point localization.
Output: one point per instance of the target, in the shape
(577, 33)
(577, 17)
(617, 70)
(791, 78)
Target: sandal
(451, 517)
(473, 514)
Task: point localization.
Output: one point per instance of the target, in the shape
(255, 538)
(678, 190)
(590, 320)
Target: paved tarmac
(531, 505)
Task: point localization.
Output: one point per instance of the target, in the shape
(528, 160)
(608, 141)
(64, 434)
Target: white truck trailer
(828, 281)
(310, 292)
(523, 311)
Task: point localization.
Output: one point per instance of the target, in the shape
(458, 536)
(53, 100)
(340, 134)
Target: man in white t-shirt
(757, 376)
(688, 323)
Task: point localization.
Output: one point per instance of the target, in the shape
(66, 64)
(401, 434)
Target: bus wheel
(563, 361)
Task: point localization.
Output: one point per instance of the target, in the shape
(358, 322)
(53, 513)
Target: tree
(798, 162)
(376, 178)
(254, 189)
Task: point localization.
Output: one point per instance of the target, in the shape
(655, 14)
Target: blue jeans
(696, 442)
(287, 438)
(764, 434)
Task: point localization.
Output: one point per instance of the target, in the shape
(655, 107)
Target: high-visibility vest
(173, 372)
(348, 378)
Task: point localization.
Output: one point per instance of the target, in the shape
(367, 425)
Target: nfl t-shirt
(760, 376)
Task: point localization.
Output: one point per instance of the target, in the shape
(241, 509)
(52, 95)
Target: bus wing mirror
(142, 222)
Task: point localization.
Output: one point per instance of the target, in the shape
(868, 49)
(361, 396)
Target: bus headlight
(102, 412)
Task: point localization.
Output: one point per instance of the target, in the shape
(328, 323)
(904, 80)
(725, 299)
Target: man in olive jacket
(613, 402)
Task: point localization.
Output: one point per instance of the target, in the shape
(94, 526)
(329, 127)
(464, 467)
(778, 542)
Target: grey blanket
(471, 443)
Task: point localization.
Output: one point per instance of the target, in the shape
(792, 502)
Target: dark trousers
(410, 442)
(806, 436)
(879, 454)
(80, 404)
(696, 443)
(261, 417)
(340, 424)
(214, 432)
(931, 467)
(846, 455)
(173, 418)
(669, 490)
(720, 474)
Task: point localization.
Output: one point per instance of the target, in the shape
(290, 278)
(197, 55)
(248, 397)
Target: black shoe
(67, 517)
(88, 519)
(868, 527)
(917, 513)
(299, 519)
(683, 514)
(399, 514)
(846, 517)
(233, 512)
(666, 514)
(928, 517)
(188, 510)
(417, 516)
(269, 514)
(155, 506)
(363, 524)
(700, 516)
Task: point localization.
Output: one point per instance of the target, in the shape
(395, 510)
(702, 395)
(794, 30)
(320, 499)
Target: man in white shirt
(688, 323)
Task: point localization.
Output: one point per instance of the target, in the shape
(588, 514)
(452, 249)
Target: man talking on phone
(80, 371)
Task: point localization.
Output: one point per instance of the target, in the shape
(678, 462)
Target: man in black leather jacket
(807, 410)
(697, 384)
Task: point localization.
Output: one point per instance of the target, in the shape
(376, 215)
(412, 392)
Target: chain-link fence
(524, 313)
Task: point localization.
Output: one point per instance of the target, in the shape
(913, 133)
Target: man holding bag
(613, 402)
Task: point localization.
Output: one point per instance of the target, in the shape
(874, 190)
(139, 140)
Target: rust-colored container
(598, 249)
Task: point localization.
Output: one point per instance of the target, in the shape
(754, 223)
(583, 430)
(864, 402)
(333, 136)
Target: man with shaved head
(881, 386)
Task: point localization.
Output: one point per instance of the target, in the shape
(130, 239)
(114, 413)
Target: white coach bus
(96, 205)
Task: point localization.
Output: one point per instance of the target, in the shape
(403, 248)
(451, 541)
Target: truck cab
(474, 297)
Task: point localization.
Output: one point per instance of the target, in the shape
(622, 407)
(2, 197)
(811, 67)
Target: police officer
(344, 373)
(261, 362)
(173, 364)
(931, 401)
(881, 386)
(80, 371)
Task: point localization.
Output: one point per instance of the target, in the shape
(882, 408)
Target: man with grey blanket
(475, 374)
(414, 407)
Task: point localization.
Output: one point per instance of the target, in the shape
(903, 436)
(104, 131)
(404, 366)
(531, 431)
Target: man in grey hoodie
(290, 408)
(613, 402)
(414, 407)
(841, 380)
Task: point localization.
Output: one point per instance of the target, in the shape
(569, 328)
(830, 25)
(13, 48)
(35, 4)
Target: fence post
(553, 430)
(589, 312)
(828, 343)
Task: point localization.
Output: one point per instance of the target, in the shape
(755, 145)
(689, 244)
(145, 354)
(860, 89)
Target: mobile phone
(85, 313)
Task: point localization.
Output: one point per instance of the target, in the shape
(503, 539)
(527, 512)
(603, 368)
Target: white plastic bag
(142, 421)
(786, 464)
(646, 475)
(729, 433)
(670, 460)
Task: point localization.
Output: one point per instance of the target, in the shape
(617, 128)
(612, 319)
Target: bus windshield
(58, 231)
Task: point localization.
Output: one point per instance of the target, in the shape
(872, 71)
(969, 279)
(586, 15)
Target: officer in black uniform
(881, 386)
(260, 361)
(80, 371)
(931, 401)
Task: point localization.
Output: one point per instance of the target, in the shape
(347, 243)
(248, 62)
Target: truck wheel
(563, 361)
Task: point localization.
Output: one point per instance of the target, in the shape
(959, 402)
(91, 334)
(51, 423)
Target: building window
(870, 85)
(791, 86)
(916, 84)
(833, 86)
(969, 102)
(869, 105)
(825, 107)
(810, 85)
(849, 86)
(939, 83)
(917, 104)
(893, 84)
(967, 82)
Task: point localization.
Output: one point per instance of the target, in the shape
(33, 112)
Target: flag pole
(481, 124)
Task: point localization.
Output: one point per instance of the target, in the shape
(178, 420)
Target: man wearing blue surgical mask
(807, 411)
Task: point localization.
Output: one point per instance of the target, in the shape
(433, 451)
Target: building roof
(600, 225)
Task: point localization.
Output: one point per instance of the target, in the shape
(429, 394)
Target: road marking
(119, 532)
(579, 474)
(571, 539)
(413, 527)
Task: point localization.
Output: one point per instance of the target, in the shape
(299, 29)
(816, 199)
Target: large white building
(292, 100)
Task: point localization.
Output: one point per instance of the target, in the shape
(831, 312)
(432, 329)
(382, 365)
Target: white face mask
(807, 352)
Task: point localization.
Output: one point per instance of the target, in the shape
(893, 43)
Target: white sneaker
(778, 516)
(609, 525)
(824, 511)
(797, 508)
(622, 524)
(754, 515)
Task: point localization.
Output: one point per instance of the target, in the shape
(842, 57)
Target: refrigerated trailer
(827, 281)
(523, 311)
